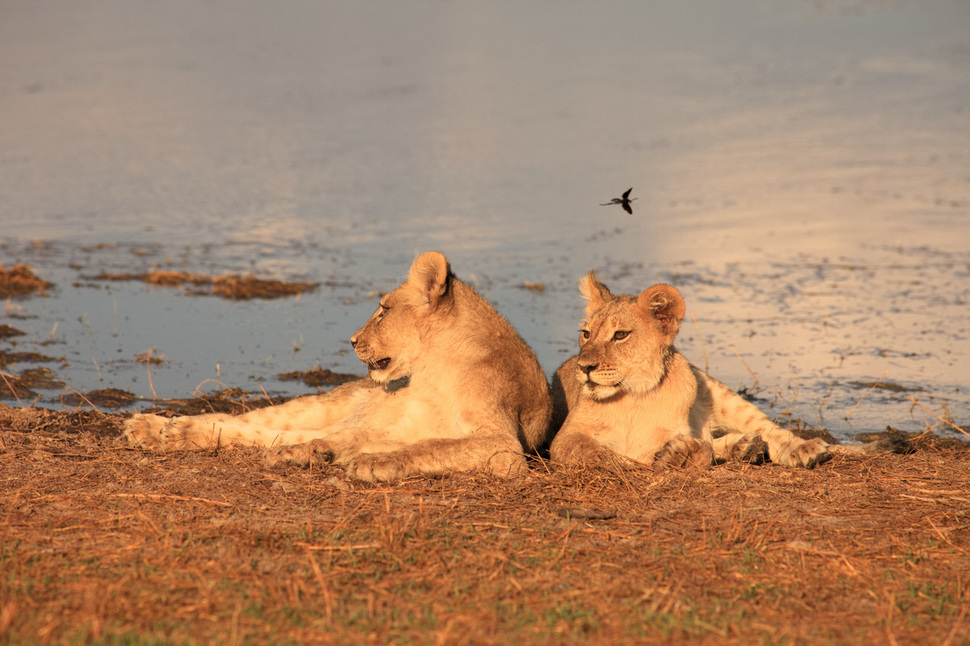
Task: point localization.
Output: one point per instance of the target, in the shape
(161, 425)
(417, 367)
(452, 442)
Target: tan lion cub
(629, 393)
(451, 387)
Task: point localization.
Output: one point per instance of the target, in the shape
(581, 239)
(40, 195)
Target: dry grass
(103, 543)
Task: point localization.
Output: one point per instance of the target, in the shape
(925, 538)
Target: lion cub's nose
(353, 341)
(588, 367)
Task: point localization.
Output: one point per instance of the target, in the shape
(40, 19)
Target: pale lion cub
(629, 393)
(451, 387)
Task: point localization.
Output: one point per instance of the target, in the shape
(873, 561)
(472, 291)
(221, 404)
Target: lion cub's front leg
(499, 455)
(146, 431)
(158, 433)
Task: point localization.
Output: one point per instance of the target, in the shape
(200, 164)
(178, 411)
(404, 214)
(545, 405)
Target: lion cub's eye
(381, 310)
(619, 335)
(584, 334)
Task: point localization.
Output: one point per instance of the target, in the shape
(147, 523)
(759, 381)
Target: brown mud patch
(103, 542)
(7, 331)
(13, 358)
(19, 386)
(318, 376)
(886, 385)
(40, 378)
(20, 280)
(150, 357)
(11, 387)
(101, 398)
(233, 287)
(230, 400)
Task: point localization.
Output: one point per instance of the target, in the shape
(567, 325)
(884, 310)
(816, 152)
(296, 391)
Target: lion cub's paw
(578, 448)
(750, 448)
(376, 467)
(146, 431)
(804, 453)
(684, 451)
(312, 453)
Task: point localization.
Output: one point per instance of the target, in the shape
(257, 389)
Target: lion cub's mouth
(600, 391)
(589, 382)
(379, 365)
(592, 385)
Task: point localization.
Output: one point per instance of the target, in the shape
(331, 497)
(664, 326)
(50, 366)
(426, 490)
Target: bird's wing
(627, 194)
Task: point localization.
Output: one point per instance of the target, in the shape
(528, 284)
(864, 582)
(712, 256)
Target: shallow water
(802, 173)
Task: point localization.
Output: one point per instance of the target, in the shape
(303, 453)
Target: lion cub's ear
(665, 305)
(429, 273)
(595, 293)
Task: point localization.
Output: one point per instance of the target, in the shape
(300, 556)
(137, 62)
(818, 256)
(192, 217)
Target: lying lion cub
(451, 387)
(629, 393)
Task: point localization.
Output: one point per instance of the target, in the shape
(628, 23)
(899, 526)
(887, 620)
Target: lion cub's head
(625, 340)
(391, 341)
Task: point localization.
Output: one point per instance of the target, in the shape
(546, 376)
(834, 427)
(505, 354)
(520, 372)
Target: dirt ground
(103, 543)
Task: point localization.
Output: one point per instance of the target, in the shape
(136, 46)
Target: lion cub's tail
(890, 443)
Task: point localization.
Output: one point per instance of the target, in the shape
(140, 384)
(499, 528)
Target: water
(802, 173)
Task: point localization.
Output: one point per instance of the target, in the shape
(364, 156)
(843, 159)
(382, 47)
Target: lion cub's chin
(600, 392)
(388, 376)
(380, 376)
(380, 371)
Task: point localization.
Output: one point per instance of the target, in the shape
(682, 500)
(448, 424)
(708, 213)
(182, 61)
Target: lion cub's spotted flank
(630, 394)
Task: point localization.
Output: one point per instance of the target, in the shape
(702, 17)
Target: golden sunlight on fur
(629, 394)
(451, 387)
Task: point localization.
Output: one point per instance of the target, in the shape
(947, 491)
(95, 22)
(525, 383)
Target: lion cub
(451, 387)
(629, 393)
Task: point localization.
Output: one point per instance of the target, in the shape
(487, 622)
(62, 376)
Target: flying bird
(624, 201)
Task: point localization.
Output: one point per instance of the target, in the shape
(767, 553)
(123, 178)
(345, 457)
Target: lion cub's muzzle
(598, 383)
(593, 374)
(366, 354)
